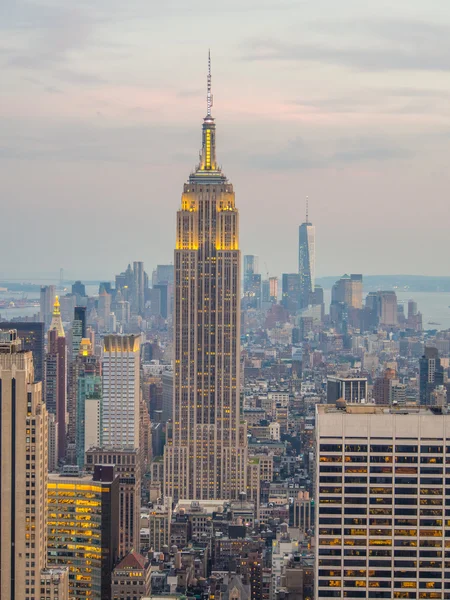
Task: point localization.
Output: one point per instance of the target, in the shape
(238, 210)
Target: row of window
(385, 448)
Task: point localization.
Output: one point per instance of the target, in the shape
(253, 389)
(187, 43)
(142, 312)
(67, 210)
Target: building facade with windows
(83, 530)
(382, 503)
(23, 472)
(121, 391)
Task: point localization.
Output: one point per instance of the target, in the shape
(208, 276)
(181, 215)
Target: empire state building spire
(208, 167)
(209, 96)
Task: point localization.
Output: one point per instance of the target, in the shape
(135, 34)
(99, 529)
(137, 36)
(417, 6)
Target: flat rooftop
(375, 409)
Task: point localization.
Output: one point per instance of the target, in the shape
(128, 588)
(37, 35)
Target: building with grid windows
(383, 502)
(120, 391)
(127, 464)
(83, 530)
(23, 472)
(54, 584)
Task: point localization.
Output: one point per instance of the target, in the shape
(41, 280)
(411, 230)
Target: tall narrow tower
(306, 259)
(23, 473)
(56, 377)
(206, 450)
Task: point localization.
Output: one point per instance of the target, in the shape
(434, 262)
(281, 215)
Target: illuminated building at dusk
(83, 529)
(206, 451)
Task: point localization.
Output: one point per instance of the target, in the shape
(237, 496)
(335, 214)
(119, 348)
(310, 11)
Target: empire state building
(206, 451)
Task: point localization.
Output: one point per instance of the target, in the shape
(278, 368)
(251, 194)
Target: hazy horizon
(100, 118)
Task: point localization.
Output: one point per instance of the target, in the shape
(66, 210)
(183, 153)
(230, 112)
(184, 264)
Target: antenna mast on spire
(307, 206)
(209, 98)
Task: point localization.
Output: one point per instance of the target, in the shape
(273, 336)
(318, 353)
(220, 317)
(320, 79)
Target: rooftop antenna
(209, 97)
(307, 206)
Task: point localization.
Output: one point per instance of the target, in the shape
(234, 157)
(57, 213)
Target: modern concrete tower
(206, 450)
(306, 259)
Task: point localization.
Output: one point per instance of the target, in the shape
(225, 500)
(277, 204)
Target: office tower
(155, 301)
(85, 416)
(162, 302)
(52, 443)
(67, 307)
(273, 283)
(32, 337)
(54, 584)
(138, 298)
(23, 472)
(128, 467)
(341, 291)
(304, 509)
(291, 292)
(104, 308)
(250, 269)
(133, 570)
(47, 299)
(381, 501)
(317, 296)
(159, 519)
(348, 291)
(167, 396)
(123, 312)
(306, 259)
(56, 377)
(164, 274)
(89, 552)
(78, 329)
(372, 301)
(431, 374)
(252, 295)
(112, 323)
(412, 309)
(78, 332)
(351, 389)
(206, 450)
(121, 389)
(79, 289)
(381, 393)
(356, 282)
(387, 308)
(124, 286)
(265, 291)
(145, 436)
(318, 300)
(397, 393)
(414, 317)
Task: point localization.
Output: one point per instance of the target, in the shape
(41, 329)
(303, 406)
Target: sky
(346, 102)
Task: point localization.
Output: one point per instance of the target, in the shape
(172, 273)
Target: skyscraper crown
(56, 319)
(208, 169)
